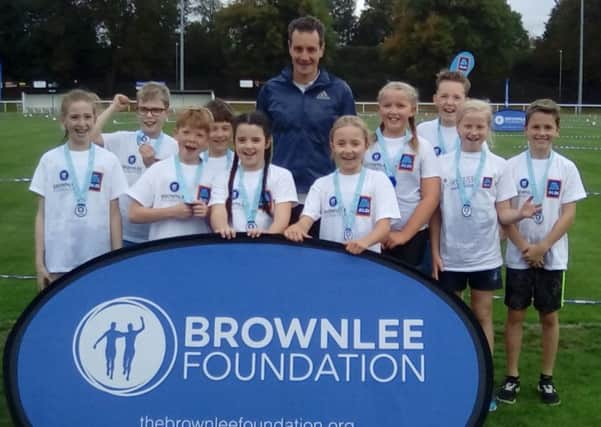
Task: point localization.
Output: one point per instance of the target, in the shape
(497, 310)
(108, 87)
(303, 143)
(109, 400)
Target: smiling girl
(355, 204)
(78, 184)
(254, 196)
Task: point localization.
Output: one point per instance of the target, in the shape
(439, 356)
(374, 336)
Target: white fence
(50, 104)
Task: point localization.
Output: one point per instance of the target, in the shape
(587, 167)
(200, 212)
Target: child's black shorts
(457, 281)
(543, 288)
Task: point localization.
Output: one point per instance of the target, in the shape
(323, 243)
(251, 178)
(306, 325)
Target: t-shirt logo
(203, 193)
(333, 202)
(406, 162)
(323, 95)
(235, 194)
(63, 175)
(131, 159)
(96, 181)
(553, 188)
(437, 151)
(364, 206)
(524, 183)
(376, 156)
(174, 186)
(487, 182)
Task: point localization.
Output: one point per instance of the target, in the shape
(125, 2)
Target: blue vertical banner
(506, 93)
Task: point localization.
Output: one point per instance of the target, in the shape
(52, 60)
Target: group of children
(433, 193)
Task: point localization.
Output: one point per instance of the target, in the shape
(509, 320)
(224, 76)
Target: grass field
(578, 370)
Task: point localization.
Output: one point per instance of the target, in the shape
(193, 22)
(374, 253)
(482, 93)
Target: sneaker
(493, 405)
(509, 390)
(548, 392)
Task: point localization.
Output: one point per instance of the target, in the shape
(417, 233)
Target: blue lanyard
(142, 138)
(80, 192)
(250, 209)
(441, 141)
(390, 167)
(187, 191)
(465, 200)
(348, 212)
(229, 155)
(537, 197)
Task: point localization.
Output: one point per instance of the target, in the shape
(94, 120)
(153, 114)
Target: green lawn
(578, 371)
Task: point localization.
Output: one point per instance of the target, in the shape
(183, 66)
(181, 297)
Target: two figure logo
(126, 346)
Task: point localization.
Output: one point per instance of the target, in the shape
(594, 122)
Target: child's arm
(378, 234)
(430, 190)
(508, 215)
(281, 218)
(299, 231)
(115, 225)
(120, 103)
(435, 225)
(522, 244)
(43, 277)
(219, 222)
(561, 227)
(139, 214)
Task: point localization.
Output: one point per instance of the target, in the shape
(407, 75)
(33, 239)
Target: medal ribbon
(537, 197)
(441, 142)
(348, 213)
(229, 155)
(465, 200)
(389, 166)
(80, 192)
(250, 209)
(187, 192)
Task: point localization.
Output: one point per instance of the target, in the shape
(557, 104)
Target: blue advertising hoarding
(507, 120)
(199, 331)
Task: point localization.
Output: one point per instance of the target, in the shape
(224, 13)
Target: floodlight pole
(581, 56)
(560, 73)
(181, 45)
(176, 64)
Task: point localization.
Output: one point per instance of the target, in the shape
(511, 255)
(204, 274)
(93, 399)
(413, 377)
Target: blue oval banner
(199, 331)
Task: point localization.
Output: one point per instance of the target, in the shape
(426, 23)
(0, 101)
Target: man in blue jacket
(303, 102)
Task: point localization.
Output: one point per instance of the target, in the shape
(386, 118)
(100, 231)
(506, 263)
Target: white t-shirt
(563, 186)
(70, 240)
(450, 137)
(215, 166)
(377, 200)
(124, 145)
(159, 188)
(472, 243)
(412, 167)
(279, 188)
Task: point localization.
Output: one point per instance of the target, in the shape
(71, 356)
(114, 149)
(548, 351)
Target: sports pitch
(578, 370)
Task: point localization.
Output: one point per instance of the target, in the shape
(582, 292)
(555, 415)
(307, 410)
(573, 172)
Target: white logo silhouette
(126, 346)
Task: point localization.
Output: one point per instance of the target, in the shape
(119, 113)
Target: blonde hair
(77, 95)
(354, 121)
(545, 106)
(194, 117)
(411, 94)
(477, 106)
(153, 90)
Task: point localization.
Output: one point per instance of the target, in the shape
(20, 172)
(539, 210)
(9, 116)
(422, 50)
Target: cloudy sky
(535, 13)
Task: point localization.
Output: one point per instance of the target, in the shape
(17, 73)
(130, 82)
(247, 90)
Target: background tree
(343, 20)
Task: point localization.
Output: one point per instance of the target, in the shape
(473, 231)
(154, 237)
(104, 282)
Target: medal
(250, 207)
(466, 204)
(348, 212)
(539, 218)
(466, 211)
(80, 192)
(142, 138)
(81, 210)
(537, 191)
(348, 234)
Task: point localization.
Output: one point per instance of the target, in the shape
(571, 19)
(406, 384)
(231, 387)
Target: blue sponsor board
(202, 331)
(508, 120)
